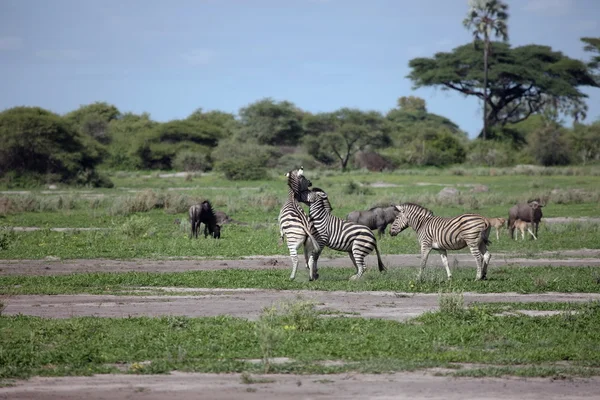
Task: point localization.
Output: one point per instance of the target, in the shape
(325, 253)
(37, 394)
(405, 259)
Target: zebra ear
(287, 174)
(398, 208)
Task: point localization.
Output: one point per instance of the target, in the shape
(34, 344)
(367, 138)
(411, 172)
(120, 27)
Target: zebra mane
(418, 208)
(297, 181)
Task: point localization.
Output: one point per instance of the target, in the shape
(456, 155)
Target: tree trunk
(485, 85)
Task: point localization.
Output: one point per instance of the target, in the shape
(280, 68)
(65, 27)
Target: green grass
(161, 238)
(502, 279)
(84, 346)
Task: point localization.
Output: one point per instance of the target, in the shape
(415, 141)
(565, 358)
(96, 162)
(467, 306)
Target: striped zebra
(295, 226)
(444, 234)
(338, 234)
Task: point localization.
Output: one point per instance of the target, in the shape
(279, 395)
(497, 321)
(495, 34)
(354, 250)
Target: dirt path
(187, 386)
(248, 303)
(583, 257)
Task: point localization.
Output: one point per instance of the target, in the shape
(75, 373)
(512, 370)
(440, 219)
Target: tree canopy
(38, 141)
(522, 80)
(272, 123)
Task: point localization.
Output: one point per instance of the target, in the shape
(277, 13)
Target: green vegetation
(510, 278)
(83, 346)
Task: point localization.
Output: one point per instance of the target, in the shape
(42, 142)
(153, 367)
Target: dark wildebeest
(203, 213)
(374, 218)
(528, 212)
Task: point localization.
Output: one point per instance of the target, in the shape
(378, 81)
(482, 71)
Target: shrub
(136, 226)
(186, 160)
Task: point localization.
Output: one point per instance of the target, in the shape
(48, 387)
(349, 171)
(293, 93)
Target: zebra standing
(338, 234)
(444, 234)
(295, 226)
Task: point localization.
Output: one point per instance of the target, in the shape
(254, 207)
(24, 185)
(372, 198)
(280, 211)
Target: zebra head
(318, 197)
(298, 183)
(400, 223)
(408, 215)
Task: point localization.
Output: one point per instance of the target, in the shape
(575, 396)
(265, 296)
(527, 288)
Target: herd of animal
(320, 228)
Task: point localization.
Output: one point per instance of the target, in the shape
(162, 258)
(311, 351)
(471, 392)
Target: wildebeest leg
(425, 250)
(531, 232)
(444, 255)
(381, 230)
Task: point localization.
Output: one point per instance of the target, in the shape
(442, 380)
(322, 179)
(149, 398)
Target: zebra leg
(293, 248)
(479, 260)
(424, 255)
(358, 273)
(444, 255)
(359, 264)
(486, 259)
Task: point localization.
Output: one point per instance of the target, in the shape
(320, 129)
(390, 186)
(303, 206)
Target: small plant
(136, 226)
(248, 379)
(452, 303)
(299, 315)
(268, 332)
(7, 237)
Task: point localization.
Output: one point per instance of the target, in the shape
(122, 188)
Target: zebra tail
(379, 262)
(485, 235)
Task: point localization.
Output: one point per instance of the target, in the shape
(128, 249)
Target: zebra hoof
(354, 277)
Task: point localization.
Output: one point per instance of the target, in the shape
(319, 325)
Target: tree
(485, 17)
(592, 45)
(272, 123)
(93, 119)
(412, 104)
(125, 134)
(348, 132)
(585, 142)
(37, 141)
(522, 80)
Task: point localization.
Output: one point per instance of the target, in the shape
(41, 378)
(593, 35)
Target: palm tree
(484, 18)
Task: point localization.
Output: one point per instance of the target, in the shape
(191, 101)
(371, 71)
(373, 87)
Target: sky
(169, 58)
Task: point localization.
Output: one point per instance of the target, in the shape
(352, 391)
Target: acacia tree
(484, 18)
(522, 80)
(348, 132)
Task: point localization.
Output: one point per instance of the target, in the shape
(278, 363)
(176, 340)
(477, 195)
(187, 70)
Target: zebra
(338, 234)
(444, 234)
(295, 227)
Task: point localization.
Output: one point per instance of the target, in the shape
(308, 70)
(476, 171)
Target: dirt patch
(249, 303)
(185, 386)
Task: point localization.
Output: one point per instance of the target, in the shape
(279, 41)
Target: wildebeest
(203, 213)
(374, 218)
(523, 226)
(528, 212)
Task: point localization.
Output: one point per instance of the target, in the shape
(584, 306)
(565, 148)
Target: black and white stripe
(442, 234)
(295, 226)
(338, 234)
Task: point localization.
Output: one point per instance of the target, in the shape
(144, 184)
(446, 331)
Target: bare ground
(248, 303)
(187, 386)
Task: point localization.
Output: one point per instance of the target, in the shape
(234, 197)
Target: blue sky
(169, 58)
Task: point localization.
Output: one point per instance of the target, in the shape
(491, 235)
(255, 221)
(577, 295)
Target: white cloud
(549, 7)
(198, 57)
(10, 43)
(62, 54)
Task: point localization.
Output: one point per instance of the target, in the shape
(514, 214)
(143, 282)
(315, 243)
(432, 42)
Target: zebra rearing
(338, 234)
(295, 226)
(444, 234)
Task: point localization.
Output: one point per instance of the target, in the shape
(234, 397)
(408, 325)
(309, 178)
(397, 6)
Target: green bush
(242, 169)
(186, 160)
